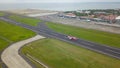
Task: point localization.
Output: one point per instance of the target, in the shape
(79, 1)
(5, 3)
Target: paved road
(11, 57)
(42, 29)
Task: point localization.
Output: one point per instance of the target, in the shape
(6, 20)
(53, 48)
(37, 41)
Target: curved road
(11, 57)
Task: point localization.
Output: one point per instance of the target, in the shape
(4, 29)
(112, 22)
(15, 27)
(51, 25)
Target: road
(42, 29)
(11, 57)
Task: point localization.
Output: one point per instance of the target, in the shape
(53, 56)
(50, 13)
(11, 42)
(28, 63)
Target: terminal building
(67, 15)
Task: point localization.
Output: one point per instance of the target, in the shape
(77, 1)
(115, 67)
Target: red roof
(109, 17)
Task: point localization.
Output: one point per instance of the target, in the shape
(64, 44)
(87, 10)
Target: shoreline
(62, 6)
(48, 15)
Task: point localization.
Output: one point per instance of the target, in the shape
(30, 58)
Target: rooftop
(118, 17)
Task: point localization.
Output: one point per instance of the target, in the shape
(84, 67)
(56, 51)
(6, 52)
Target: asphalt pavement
(42, 29)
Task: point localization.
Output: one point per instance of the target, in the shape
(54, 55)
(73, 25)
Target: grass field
(10, 33)
(29, 21)
(88, 34)
(2, 14)
(58, 54)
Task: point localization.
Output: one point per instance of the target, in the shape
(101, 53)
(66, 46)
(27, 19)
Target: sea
(61, 6)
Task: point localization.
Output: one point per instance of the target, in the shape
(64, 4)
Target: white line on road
(113, 51)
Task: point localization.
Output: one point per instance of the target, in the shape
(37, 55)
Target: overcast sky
(59, 1)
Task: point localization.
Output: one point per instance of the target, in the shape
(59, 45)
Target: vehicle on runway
(71, 38)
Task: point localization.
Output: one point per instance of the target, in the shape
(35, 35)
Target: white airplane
(71, 38)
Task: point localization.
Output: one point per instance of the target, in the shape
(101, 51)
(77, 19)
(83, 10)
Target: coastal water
(61, 6)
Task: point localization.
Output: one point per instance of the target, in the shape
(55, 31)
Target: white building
(84, 11)
(118, 19)
(71, 15)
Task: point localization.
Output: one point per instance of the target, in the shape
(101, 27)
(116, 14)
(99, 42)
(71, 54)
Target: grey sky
(47, 1)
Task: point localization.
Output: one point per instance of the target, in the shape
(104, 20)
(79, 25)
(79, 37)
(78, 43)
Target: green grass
(36, 64)
(10, 33)
(3, 44)
(58, 54)
(2, 14)
(100, 37)
(25, 20)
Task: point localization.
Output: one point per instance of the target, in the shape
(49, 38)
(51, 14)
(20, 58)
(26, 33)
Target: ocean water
(61, 6)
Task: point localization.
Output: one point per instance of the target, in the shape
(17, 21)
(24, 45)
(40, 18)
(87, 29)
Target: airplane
(71, 38)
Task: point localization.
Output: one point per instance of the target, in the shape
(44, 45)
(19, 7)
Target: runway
(42, 29)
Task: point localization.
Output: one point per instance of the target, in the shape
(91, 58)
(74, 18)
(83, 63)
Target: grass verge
(97, 36)
(58, 54)
(25, 20)
(10, 33)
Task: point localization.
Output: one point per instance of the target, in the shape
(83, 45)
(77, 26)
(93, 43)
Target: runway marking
(113, 51)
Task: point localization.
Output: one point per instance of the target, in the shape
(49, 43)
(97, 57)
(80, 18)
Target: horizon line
(60, 2)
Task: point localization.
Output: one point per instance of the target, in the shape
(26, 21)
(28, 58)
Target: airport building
(118, 19)
(67, 15)
(70, 15)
